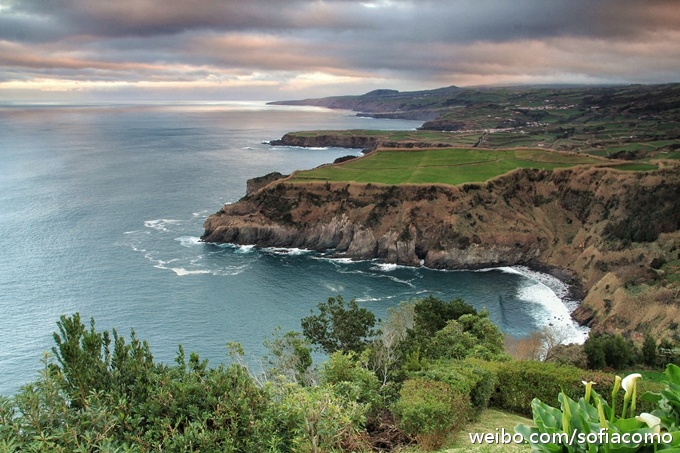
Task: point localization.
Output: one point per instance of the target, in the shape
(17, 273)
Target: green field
(441, 166)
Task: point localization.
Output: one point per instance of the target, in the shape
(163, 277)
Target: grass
(489, 420)
(445, 166)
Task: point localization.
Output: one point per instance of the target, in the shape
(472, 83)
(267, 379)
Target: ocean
(101, 210)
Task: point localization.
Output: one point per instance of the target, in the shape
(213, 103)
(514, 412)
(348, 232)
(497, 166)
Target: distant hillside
(628, 122)
(416, 105)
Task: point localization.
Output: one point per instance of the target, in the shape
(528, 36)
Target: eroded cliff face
(354, 140)
(604, 227)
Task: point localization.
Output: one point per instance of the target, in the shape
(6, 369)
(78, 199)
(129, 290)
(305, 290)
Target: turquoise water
(101, 208)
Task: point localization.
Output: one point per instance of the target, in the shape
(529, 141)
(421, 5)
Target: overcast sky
(286, 49)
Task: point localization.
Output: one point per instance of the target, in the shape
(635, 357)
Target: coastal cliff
(354, 140)
(607, 229)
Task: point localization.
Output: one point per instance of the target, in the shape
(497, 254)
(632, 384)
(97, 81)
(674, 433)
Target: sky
(290, 49)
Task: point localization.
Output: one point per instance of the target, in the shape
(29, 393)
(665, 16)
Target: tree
(608, 350)
(471, 335)
(432, 314)
(340, 326)
(289, 356)
(649, 350)
(385, 353)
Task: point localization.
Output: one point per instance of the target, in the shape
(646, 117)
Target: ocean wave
(551, 297)
(161, 224)
(334, 259)
(188, 241)
(337, 289)
(312, 148)
(552, 311)
(244, 248)
(385, 267)
(182, 272)
(292, 251)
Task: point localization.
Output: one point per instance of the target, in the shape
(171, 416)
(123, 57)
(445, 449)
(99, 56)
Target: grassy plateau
(442, 166)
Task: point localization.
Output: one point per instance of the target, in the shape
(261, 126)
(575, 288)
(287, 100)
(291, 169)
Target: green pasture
(441, 166)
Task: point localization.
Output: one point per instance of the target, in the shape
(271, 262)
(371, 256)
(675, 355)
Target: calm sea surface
(101, 208)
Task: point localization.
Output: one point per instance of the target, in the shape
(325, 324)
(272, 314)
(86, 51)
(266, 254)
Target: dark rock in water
(344, 159)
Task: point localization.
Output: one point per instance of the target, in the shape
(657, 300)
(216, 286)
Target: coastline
(567, 294)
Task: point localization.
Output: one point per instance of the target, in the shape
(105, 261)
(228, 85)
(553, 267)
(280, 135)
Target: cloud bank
(270, 49)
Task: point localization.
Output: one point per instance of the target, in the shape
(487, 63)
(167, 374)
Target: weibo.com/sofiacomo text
(601, 437)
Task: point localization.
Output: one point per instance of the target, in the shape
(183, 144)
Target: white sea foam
(293, 251)
(188, 241)
(313, 148)
(334, 288)
(385, 267)
(339, 260)
(368, 299)
(244, 248)
(182, 272)
(549, 293)
(161, 224)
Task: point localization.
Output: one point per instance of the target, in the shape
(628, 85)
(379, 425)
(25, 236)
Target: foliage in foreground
(431, 367)
(591, 424)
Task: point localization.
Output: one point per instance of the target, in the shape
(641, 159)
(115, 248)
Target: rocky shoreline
(573, 223)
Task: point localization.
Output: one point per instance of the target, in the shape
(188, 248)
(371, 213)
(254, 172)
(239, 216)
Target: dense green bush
(318, 420)
(429, 409)
(519, 382)
(351, 380)
(95, 399)
(609, 351)
(465, 377)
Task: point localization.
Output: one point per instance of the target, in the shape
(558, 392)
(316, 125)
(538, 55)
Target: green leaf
(673, 373)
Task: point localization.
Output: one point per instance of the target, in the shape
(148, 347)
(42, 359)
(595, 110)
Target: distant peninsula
(583, 182)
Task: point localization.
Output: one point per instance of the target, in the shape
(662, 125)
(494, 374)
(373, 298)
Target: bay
(102, 205)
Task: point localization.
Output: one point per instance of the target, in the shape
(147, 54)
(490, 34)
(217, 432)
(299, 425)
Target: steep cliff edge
(355, 139)
(610, 229)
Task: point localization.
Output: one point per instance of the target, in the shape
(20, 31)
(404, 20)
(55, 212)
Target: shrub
(429, 409)
(608, 350)
(519, 382)
(351, 380)
(320, 420)
(649, 350)
(466, 377)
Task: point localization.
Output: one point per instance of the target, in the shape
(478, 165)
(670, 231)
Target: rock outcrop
(255, 184)
(603, 226)
(354, 140)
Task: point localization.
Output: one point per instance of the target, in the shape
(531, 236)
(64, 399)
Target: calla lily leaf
(673, 373)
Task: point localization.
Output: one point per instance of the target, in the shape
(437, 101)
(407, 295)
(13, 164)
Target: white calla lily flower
(652, 421)
(628, 383)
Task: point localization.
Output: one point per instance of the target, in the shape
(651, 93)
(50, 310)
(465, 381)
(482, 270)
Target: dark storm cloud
(452, 21)
(289, 42)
